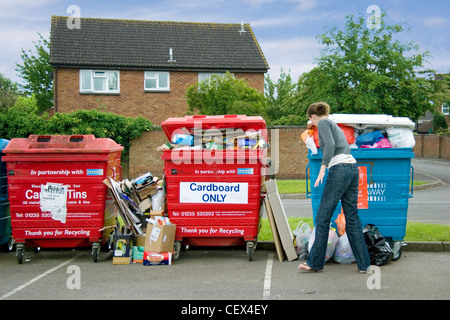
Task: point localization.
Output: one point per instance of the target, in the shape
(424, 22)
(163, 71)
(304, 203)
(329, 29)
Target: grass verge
(299, 186)
(415, 231)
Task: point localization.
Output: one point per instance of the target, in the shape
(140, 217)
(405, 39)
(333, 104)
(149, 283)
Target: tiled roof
(145, 44)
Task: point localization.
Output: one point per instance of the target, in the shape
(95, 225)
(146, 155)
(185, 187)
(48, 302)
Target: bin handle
(308, 193)
(411, 194)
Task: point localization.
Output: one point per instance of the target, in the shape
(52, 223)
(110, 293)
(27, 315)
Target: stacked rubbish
(368, 131)
(145, 234)
(216, 139)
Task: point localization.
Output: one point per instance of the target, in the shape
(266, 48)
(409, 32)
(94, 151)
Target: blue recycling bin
(386, 177)
(5, 217)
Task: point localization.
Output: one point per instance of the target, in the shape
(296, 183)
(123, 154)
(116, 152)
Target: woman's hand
(320, 176)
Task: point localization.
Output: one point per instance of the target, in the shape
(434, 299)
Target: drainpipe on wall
(55, 88)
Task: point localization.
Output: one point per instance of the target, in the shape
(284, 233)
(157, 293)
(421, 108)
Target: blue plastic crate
(389, 187)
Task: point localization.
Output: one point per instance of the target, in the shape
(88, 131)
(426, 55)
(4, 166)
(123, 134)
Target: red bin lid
(62, 144)
(213, 122)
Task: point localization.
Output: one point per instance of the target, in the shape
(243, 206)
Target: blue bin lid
(3, 143)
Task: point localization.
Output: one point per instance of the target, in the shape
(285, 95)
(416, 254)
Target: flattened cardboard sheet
(281, 222)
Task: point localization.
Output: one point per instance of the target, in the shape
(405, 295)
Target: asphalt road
(218, 274)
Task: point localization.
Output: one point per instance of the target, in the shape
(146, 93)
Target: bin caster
(95, 250)
(397, 250)
(250, 246)
(19, 252)
(176, 250)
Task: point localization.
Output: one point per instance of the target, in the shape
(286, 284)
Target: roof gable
(145, 44)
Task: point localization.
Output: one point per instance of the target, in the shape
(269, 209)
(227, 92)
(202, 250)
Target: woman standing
(341, 184)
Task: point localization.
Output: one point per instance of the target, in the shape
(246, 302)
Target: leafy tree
(21, 119)
(281, 102)
(36, 71)
(8, 92)
(364, 70)
(223, 94)
(438, 122)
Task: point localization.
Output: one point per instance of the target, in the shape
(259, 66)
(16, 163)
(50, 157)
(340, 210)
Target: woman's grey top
(331, 140)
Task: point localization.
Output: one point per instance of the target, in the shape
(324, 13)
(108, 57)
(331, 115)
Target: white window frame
(445, 109)
(155, 75)
(206, 76)
(97, 74)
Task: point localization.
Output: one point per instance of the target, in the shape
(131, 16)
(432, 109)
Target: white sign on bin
(214, 192)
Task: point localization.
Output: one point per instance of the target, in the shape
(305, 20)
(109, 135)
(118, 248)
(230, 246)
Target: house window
(99, 81)
(445, 109)
(156, 81)
(205, 76)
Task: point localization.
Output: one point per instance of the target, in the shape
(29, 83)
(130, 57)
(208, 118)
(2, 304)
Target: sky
(286, 30)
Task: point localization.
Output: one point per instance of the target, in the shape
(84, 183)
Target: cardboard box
(145, 204)
(152, 258)
(122, 248)
(160, 238)
(138, 249)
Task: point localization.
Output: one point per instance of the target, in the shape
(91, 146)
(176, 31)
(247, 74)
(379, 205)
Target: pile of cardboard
(148, 235)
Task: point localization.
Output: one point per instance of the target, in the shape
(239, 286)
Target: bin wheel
(95, 250)
(176, 249)
(397, 250)
(19, 253)
(8, 247)
(250, 248)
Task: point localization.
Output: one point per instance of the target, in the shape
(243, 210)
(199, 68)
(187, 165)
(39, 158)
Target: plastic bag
(401, 137)
(343, 253)
(302, 233)
(379, 249)
(349, 133)
(307, 137)
(157, 200)
(383, 143)
(331, 244)
(340, 222)
(369, 138)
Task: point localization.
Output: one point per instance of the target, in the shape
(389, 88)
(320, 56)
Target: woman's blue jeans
(341, 184)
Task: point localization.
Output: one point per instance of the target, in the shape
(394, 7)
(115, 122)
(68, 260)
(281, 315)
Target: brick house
(143, 68)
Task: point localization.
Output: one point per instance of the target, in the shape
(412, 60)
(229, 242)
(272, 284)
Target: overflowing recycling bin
(385, 172)
(5, 218)
(56, 191)
(214, 169)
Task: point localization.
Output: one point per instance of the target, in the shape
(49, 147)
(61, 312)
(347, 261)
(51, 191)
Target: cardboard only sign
(214, 192)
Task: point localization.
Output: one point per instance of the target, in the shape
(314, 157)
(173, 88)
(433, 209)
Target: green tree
(438, 122)
(223, 94)
(21, 119)
(37, 73)
(362, 70)
(8, 92)
(281, 102)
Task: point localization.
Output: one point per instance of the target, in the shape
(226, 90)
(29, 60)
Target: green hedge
(21, 121)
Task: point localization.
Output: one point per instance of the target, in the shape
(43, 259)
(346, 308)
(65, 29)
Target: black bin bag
(379, 249)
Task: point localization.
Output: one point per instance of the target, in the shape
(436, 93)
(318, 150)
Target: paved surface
(219, 274)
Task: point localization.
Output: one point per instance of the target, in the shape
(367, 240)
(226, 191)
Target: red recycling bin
(213, 179)
(56, 191)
